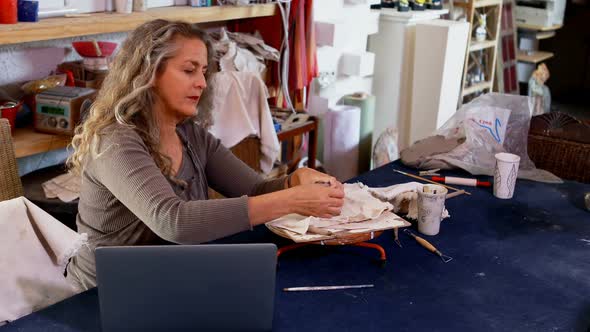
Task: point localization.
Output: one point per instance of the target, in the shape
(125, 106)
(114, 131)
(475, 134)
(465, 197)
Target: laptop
(213, 287)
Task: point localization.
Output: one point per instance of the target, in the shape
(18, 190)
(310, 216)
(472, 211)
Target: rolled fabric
(341, 141)
(366, 103)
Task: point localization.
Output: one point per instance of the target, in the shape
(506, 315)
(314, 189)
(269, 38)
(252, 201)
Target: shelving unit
(476, 46)
(506, 79)
(535, 57)
(538, 27)
(529, 55)
(29, 142)
(477, 87)
(97, 23)
(480, 55)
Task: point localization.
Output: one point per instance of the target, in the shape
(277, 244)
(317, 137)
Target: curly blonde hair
(127, 97)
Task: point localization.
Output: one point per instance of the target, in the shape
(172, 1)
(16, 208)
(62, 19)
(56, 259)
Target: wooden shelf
(478, 3)
(538, 27)
(476, 46)
(97, 23)
(538, 35)
(545, 35)
(536, 57)
(29, 142)
(477, 87)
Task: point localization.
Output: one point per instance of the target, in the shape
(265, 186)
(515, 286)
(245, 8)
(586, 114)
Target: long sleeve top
(126, 200)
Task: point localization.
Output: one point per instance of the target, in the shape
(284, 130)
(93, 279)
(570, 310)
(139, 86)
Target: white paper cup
(124, 6)
(505, 175)
(431, 205)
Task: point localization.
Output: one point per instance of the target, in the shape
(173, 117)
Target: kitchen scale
(57, 110)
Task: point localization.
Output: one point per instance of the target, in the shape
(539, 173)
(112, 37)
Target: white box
(317, 106)
(357, 63)
(438, 67)
(327, 58)
(326, 10)
(160, 3)
(89, 6)
(330, 33)
(551, 14)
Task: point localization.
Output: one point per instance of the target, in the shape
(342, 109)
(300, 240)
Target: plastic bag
(386, 149)
(491, 124)
(38, 86)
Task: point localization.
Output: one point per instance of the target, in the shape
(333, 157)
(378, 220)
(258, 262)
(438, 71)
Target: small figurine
(434, 4)
(481, 31)
(418, 5)
(539, 94)
(403, 6)
(388, 4)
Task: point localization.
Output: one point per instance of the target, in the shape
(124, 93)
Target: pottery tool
(396, 237)
(319, 288)
(461, 181)
(429, 181)
(432, 172)
(428, 246)
(455, 194)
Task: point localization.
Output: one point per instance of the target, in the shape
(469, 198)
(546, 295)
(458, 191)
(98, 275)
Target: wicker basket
(10, 184)
(560, 144)
(566, 159)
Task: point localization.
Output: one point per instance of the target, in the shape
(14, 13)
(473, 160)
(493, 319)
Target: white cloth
(240, 109)
(34, 251)
(66, 187)
(400, 195)
(386, 220)
(239, 59)
(242, 52)
(359, 205)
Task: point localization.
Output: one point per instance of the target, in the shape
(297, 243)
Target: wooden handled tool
(428, 246)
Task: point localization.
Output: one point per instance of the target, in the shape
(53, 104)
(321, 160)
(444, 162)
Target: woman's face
(180, 84)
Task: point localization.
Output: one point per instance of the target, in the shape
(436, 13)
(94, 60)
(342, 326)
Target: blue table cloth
(518, 265)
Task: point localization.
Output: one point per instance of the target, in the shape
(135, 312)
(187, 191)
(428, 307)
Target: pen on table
(319, 288)
(461, 181)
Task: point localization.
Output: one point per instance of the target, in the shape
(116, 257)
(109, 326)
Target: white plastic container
(431, 205)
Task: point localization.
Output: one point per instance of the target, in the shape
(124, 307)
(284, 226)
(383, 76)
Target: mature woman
(146, 161)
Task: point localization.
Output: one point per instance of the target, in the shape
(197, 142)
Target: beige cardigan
(126, 200)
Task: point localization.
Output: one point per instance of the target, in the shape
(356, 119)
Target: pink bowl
(88, 48)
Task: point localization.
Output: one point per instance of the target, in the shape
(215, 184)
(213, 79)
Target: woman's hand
(316, 200)
(305, 197)
(303, 176)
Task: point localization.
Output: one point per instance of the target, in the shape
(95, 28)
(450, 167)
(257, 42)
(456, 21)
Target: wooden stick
(455, 194)
(430, 181)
